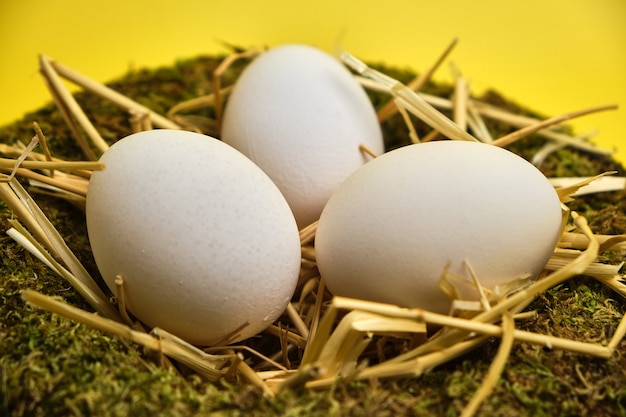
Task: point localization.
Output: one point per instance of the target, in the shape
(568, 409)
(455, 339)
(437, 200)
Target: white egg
(300, 116)
(203, 239)
(389, 232)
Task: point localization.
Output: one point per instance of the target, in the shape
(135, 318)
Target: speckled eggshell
(389, 231)
(299, 115)
(203, 239)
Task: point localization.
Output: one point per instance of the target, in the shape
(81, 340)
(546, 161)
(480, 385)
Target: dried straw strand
(307, 233)
(410, 100)
(120, 294)
(477, 123)
(408, 122)
(100, 323)
(19, 149)
(390, 108)
(297, 321)
(6, 163)
(53, 246)
(529, 130)
(218, 93)
(42, 141)
(67, 103)
(109, 94)
(18, 161)
(565, 193)
(470, 326)
(495, 369)
(94, 296)
(580, 241)
(460, 97)
(597, 184)
(519, 121)
(367, 150)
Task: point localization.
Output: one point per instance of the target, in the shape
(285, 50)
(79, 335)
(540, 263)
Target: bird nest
(320, 339)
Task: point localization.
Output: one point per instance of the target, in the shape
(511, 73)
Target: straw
(410, 100)
(108, 94)
(391, 108)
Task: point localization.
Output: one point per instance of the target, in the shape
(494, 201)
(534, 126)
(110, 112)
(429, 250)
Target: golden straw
(495, 369)
(391, 108)
(109, 94)
(529, 130)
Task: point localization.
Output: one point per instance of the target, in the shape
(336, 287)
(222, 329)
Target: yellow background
(551, 55)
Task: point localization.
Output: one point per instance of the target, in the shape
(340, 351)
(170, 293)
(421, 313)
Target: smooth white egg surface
(203, 239)
(389, 232)
(300, 116)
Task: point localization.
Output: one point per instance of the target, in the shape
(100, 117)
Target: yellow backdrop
(551, 55)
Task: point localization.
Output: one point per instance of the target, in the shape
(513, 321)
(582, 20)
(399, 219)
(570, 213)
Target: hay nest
(567, 327)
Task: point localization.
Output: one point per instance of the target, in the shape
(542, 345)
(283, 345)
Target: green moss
(50, 366)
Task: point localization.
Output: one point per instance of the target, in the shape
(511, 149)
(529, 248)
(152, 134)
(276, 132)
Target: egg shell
(389, 231)
(299, 114)
(203, 239)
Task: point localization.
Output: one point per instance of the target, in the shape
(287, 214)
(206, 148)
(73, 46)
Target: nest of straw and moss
(52, 365)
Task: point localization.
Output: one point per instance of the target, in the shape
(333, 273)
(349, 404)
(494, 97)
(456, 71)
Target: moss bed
(51, 366)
